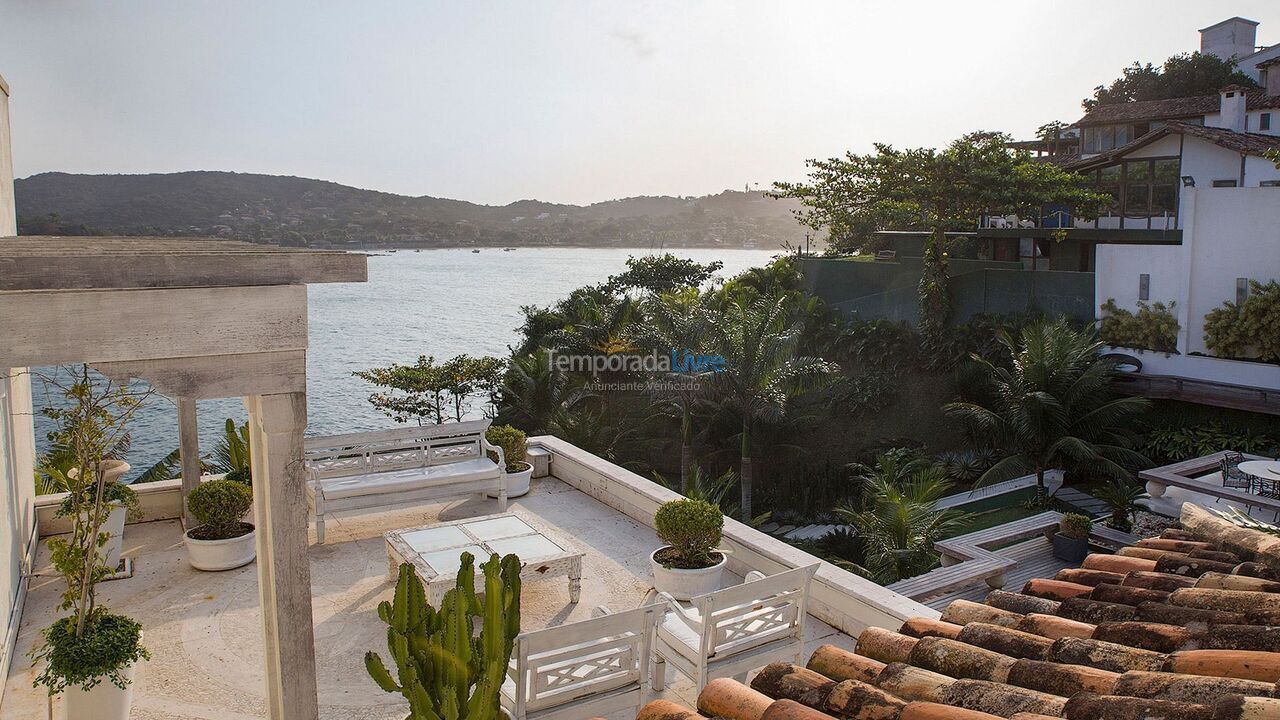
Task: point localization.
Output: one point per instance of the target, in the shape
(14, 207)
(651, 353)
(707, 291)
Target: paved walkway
(1091, 505)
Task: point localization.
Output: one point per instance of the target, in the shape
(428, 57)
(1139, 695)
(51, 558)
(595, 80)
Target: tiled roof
(1171, 109)
(1249, 143)
(1269, 63)
(1181, 627)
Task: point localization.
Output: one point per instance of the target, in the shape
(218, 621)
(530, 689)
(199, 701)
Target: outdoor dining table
(1265, 475)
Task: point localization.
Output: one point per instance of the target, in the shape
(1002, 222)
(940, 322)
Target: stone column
(276, 424)
(189, 445)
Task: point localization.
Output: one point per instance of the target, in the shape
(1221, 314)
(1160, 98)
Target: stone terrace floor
(204, 629)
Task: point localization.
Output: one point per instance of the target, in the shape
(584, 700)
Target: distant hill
(301, 211)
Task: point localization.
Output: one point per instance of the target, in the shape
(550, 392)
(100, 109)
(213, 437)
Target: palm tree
(232, 451)
(533, 392)
(678, 321)
(1052, 407)
(1122, 498)
(762, 372)
(899, 520)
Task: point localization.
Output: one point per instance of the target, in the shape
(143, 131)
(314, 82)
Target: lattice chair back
(1232, 477)
(605, 655)
(746, 616)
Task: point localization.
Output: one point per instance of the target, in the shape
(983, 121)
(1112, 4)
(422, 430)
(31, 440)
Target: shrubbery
(218, 506)
(1153, 327)
(1247, 330)
(692, 529)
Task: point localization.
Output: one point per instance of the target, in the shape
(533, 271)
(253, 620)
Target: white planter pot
(518, 482)
(115, 525)
(104, 702)
(687, 584)
(226, 554)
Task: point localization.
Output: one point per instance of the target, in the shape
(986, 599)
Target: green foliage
(692, 529)
(102, 650)
(218, 506)
(1274, 156)
(1238, 517)
(1247, 330)
(1122, 498)
(899, 521)
(232, 451)
(964, 467)
(240, 475)
(431, 391)
(1174, 444)
(441, 666)
(513, 442)
(1153, 327)
(533, 392)
(663, 273)
(166, 468)
(1185, 75)
(1075, 526)
(1051, 407)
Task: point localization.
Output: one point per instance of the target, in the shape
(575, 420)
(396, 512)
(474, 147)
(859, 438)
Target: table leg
(575, 580)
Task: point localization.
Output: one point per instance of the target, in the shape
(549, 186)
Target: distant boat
(507, 249)
(418, 250)
(475, 251)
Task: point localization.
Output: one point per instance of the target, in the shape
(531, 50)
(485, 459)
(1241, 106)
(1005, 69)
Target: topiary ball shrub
(514, 444)
(241, 475)
(1075, 526)
(692, 530)
(218, 505)
(109, 644)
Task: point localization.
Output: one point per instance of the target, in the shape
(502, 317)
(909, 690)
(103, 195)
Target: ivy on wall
(1153, 327)
(1247, 330)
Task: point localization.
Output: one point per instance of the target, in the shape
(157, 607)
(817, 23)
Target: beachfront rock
(840, 664)
(731, 699)
(1060, 678)
(1148, 636)
(792, 710)
(1093, 611)
(960, 660)
(1019, 603)
(860, 701)
(1106, 655)
(1127, 595)
(1089, 577)
(963, 612)
(926, 627)
(1157, 581)
(1242, 637)
(1193, 618)
(1118, 563)
(1224, 581)
(934, 711)
(1054, 627)
(1002, 700)
(784, 680)
(1191, 567)
(1006, 641)
(1089, 706)
(1246, 664)
(913, 683)
(664, 710)
(1241, 601)
(1054, 589)
(886, 646)
(1186, 688)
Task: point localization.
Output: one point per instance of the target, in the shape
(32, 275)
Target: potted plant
(120, 500)
(689, 564)
(90, 655)
(1071, 542)
(515, 449)
(222, 540)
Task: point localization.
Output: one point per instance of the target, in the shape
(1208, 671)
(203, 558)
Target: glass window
(1138, 171)
(1137, 200)
(1122, 135)
(1164, 200)
(1167, 171)
(1108, 139)
(1091, 140)
(1264, 121)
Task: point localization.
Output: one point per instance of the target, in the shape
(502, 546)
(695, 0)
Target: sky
(572, 102)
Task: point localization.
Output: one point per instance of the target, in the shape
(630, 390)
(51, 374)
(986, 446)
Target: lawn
(998, 509)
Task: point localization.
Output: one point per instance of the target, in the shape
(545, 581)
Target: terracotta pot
(684, 584)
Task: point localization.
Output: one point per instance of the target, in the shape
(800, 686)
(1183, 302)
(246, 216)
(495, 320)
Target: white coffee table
(1264, 469)
(435, 551)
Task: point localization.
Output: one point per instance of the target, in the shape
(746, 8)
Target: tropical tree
(1185, 75)
(533, 392)
(231, 453)
(1122, 498)
(899, 520)
(762, 373)
(428, 390)
(663, 273)
(1052, 407)
(939, 191)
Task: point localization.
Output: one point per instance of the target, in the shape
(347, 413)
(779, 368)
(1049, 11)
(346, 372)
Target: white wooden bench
(403, 465)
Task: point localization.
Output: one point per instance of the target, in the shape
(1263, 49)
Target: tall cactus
(442, 668)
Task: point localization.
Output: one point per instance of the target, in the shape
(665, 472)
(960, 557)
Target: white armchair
(582, 669)
(729, 632)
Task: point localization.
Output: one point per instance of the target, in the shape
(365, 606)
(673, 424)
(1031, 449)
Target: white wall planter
(518, 482)
(104, 702)
(214, 555)
(687, 584)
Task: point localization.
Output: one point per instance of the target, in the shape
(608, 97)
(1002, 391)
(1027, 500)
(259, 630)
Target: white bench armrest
(686, 616)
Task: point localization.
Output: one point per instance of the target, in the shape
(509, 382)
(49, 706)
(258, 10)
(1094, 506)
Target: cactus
(440, 666)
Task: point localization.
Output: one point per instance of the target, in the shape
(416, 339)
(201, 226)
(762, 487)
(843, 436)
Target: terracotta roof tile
(1171, 109)
(1248, 143)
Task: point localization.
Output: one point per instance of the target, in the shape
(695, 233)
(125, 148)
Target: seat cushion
(685, 640)
(405, 479)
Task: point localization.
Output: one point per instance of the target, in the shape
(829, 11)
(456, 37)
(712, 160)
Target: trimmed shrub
(218, 505)
(1250, 330)
(1075, 526)
(109, 644)
(514, 444)
(692, 528)
(1153, 327)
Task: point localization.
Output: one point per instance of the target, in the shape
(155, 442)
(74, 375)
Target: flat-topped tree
(939, 191)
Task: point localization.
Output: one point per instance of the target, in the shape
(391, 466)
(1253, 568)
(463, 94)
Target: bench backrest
(395, 449)
(735, 618)
(561, 664)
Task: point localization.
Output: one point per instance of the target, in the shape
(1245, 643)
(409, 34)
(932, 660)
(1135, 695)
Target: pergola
(196, 319)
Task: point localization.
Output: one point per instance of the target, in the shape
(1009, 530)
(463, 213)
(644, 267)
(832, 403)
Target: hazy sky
(560, 101)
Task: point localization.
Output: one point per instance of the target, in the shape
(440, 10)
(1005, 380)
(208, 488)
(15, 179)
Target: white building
(1237, 38)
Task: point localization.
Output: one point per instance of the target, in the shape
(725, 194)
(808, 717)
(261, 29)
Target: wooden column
(189, 445)
(276, 424)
